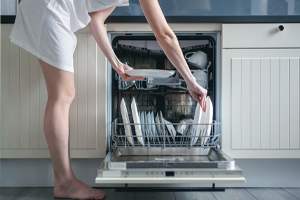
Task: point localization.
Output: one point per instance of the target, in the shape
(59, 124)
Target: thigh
(60, 83)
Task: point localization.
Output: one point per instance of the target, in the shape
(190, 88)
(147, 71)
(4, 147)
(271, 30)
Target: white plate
(143, 122)
(149, 126)
(196, 127)
(171, 129)
(136, 119)
(206, 118)
(153, 127)
(163, 123)
(157, 122)
(126, 120)
(150, 73)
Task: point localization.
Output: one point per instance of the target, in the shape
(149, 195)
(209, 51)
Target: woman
(46, 29)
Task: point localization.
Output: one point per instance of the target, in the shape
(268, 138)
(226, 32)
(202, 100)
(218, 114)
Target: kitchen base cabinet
(24, 97)
(260, 103)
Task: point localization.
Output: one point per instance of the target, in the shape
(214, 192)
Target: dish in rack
(151, 129)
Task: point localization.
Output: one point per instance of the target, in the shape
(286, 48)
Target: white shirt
(46, 28)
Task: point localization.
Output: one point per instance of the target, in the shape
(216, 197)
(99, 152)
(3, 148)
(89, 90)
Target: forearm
(98, 30)
(169, 43)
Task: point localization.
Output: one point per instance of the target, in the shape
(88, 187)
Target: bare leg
(61, 92)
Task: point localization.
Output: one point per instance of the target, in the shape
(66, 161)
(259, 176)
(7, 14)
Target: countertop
(6, 19)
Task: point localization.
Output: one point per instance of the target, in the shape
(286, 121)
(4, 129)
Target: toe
(101, 192)
(100, 197)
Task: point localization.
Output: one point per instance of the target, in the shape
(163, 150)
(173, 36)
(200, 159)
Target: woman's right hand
(125, 77)
(198, 93)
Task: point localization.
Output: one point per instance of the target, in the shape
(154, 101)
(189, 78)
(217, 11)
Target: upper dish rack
(175, 81)
(162, 139)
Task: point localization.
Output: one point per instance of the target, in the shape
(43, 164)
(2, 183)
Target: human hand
(198, 93)
(125, 77)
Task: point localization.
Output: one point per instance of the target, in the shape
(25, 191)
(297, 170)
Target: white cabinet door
(24, 97)
(260, 103)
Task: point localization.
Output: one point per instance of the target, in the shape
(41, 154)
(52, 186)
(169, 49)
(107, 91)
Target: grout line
(251, 193)
(214, 195)
(174, 195)
(289, 193)
(20, 192)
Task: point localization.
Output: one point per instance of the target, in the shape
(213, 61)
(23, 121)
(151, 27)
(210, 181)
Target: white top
(46, 28)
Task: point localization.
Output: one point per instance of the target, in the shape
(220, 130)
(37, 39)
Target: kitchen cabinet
(260, 92)
(24, 97)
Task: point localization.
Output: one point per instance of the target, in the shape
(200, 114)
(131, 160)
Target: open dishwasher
(161, 158)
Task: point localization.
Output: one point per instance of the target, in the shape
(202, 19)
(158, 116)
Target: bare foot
(75, 189)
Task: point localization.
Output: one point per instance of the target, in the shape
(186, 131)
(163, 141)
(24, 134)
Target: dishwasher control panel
(158, 173)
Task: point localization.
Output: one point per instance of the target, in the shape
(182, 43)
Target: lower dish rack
(162, 142)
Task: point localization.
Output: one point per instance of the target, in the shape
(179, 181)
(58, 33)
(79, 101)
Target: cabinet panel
(92, 92)
(264, 108)
(284, 103)
(294, 103)
(14, 97)
(236, 100)
(24, 98)
(265, 102)
(245, 103)
(5, 104)
(275, 104)
(255, 106)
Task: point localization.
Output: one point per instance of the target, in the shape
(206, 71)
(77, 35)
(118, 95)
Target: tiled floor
(229, 194)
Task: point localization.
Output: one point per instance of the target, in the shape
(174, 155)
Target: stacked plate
(148, 126)
(202, 121)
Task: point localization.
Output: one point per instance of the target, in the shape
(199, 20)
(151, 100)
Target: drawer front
(260, 36)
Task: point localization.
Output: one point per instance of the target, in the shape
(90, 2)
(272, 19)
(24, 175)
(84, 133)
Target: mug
(201, 77)
(198, 57)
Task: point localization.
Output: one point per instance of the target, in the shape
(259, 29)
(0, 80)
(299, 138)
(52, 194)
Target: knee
(64, 96)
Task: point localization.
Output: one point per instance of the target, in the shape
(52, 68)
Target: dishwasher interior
(164, 158)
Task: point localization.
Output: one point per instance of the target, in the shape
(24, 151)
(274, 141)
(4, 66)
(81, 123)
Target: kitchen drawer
(260, 36)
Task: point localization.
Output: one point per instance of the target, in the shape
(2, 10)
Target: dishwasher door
(215, 167)
(167, 160)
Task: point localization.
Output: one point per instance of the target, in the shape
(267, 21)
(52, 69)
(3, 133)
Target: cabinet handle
(280, 28)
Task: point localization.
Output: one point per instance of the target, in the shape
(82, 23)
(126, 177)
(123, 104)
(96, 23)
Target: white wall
(39, 172)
